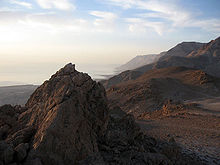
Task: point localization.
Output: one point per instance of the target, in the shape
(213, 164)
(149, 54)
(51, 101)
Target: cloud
(169, 14)
(126, 4)
(21, 3)
(58, 4)
(47, 22)
(104, 20)
(54, 23)
(141, 25)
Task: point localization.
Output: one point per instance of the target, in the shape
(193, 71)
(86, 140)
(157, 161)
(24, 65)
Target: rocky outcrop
(170, 108)
(67, 121)
(68, 112)
(124, 143)
(61, 122)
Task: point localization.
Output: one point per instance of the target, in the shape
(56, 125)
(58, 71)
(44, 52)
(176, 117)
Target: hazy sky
(39, 36)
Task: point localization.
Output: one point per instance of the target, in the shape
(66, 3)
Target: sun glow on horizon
(41, 32)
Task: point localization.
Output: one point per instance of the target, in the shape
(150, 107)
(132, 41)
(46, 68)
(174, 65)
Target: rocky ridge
(67, 121)
(150, 91)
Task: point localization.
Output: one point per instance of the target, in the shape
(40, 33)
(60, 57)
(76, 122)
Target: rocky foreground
(67, 121)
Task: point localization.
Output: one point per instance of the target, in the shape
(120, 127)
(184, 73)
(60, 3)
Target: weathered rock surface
(21, 151)
(6, 152)
(61, 121)
(68, 112)
(67, 121)
(124, 143)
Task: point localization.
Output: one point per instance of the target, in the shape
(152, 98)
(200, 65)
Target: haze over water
(36, 75)
(40, 36)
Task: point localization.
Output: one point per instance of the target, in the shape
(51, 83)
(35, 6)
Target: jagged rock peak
(66, 70)
(69, 112)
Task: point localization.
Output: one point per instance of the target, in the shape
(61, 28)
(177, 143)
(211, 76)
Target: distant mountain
(176, 56)
(16, 95)
(150, 91)
(182, 49)
(205, 57)
(139, 61)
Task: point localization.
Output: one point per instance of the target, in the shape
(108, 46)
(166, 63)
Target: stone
(4, 131)
(21, 151)
(68, 112)
(35, 161)
(21, 136)
(6, 152)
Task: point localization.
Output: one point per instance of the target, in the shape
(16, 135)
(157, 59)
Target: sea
(37, 74)
(98, 72)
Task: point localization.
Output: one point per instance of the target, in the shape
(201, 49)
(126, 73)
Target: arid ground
(196, 130)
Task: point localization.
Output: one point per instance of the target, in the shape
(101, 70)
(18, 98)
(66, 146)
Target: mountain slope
(173, 57)
(182, 50)
(206, 58)
(152, 89)
(122, 77)
(139, 61)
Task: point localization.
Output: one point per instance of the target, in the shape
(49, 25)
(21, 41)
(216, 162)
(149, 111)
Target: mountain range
(153, 114)
(139, 61)
(202, 56)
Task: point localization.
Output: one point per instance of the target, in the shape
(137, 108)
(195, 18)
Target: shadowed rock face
(69, 111)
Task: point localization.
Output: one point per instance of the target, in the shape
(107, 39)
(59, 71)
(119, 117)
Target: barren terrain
(196, 130)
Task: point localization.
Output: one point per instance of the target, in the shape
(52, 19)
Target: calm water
(98, 71)
(37, 74)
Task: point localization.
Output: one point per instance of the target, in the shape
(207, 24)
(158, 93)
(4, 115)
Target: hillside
(205, 58)
(139, 61)
(182, 49)
(153, 88)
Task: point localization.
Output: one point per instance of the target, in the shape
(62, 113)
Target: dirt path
(193, 131)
